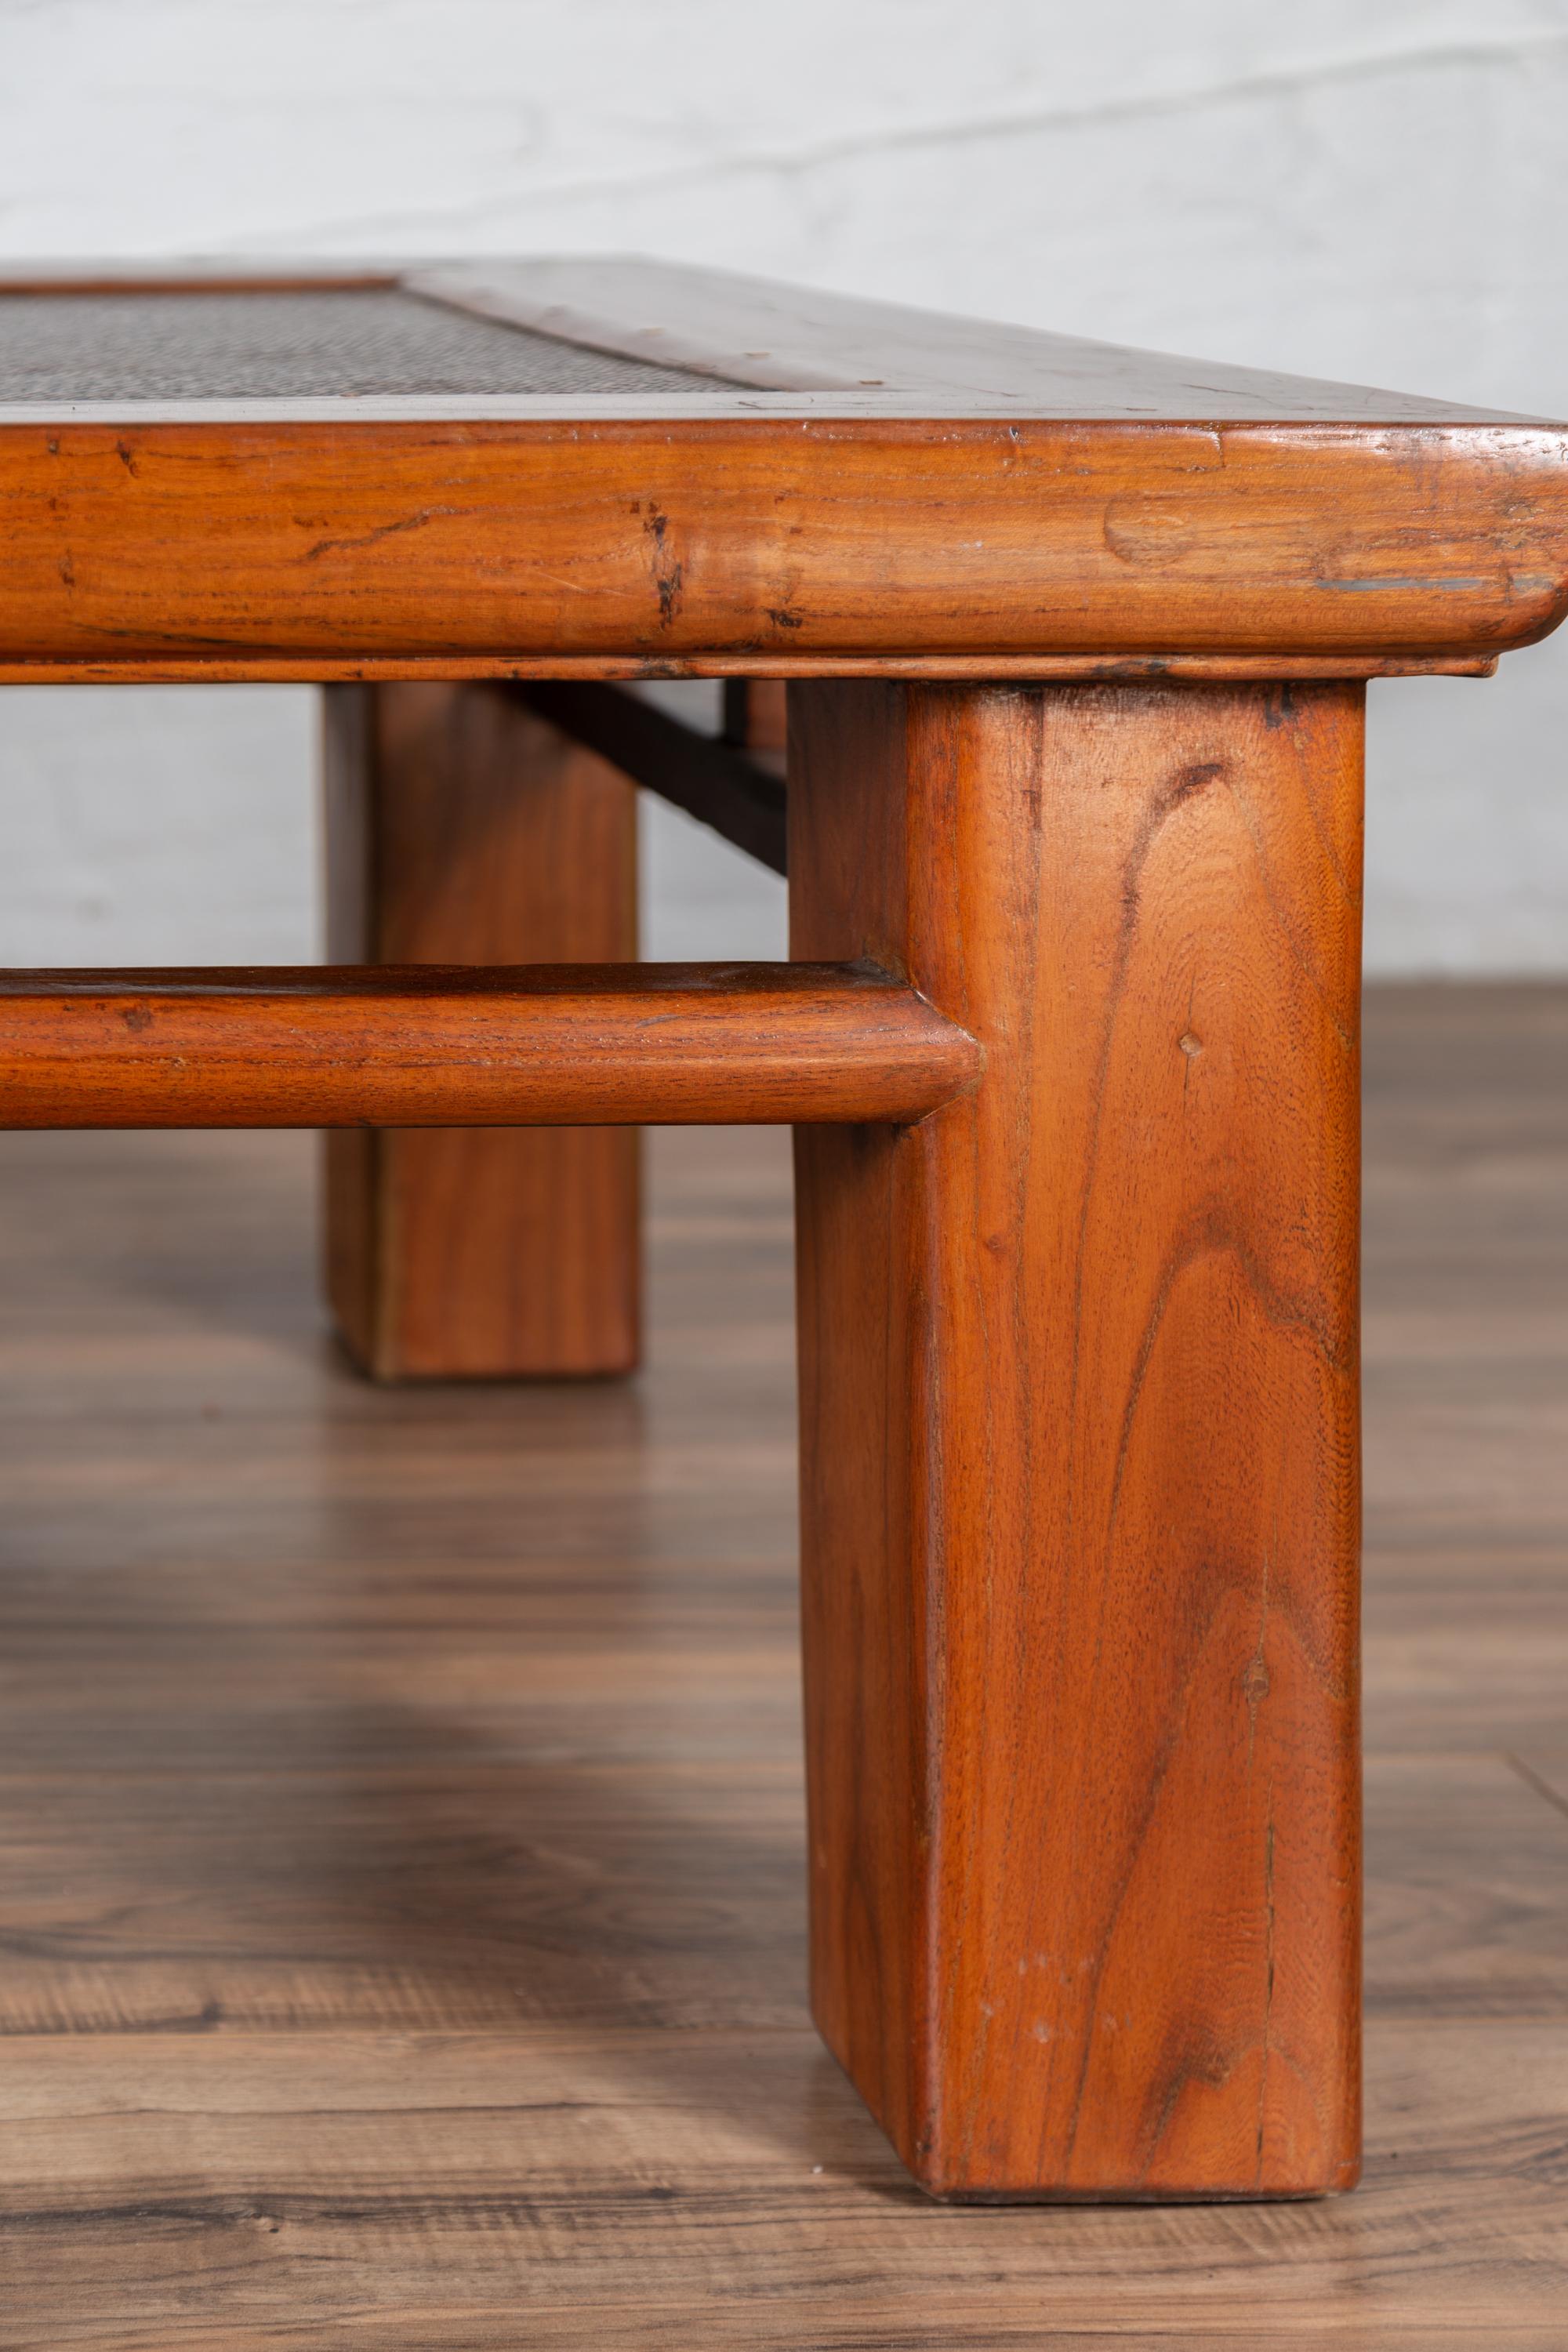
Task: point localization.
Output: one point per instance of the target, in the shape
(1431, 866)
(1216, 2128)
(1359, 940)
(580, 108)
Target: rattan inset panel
(292, 346)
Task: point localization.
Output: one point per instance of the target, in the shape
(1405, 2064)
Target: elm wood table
(1076, 641)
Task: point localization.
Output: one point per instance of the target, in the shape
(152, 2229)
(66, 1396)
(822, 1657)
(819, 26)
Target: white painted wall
(1375, 189)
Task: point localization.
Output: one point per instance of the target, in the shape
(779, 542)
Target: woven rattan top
(295, 345)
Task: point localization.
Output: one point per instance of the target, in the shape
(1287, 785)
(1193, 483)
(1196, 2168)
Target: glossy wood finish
(251, 539)
(1080, 1366)
(462, 828)
(941, 491)
(465, 825)
(400, 1809)
(431, 1045)
(1079, 1439)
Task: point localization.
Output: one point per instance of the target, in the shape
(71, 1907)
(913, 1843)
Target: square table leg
(462, 828)
(1079, 1437)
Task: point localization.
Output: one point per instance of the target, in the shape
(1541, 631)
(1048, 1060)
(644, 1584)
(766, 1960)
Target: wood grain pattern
(254, 540)
(400, 1813)
(1079, 1393)
(1079, 1404)
(930, 490)
(413, 1044)
(462, 829)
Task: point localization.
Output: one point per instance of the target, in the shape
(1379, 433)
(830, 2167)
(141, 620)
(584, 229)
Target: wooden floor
(401, 1940)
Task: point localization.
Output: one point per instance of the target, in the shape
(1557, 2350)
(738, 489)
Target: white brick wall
(1377, 192)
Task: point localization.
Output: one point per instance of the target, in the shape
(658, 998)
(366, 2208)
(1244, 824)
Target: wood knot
(1190, 1045)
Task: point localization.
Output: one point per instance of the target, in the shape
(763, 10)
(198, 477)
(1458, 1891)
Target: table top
(635, 467)
(597, 338)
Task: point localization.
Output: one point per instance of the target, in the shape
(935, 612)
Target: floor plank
(400, 1849)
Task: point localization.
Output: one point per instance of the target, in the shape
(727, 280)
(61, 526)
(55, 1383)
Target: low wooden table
(1076, 641)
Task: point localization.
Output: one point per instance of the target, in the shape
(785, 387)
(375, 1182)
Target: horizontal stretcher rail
(437, 1046)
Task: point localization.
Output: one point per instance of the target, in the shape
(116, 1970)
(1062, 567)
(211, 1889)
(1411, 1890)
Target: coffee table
(1076, 642)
